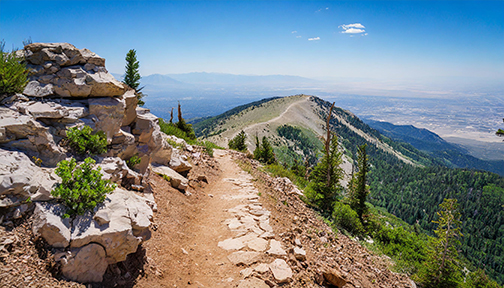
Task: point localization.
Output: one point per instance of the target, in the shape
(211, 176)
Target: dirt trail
(189, 254)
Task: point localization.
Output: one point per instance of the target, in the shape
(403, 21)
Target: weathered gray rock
(116, 170)
(49, 224)
(281, 271)
(176, 180)
(179, 162)
(130, 109)
(20, 179)
(62, 69)
(22, 132)
(85, 264)
(162, 155)
(129, 217)
(144, 127)
(37, 89)
(110, 114)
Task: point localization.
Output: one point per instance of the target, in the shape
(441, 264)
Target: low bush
(133, 161)
(346, 218)
(85, 141)
(13, 73)
(81, 187)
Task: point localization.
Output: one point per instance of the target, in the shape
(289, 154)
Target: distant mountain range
(424, 140)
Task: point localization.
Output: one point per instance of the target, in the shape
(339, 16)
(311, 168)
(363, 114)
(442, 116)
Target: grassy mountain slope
(452, 155)
(407, 182)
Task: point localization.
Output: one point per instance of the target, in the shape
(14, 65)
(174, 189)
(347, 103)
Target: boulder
(37, 89)
(179, 162)
(110, 113)
(176, 180)
(128, 225)
(334, 277)
(20, 179)
(163, 152)
(49, 224)
(85, 264)
(144, 127)
(300, 254)
(281, 271)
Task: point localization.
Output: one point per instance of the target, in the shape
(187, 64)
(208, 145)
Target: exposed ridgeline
(70, 87)
(407, 182)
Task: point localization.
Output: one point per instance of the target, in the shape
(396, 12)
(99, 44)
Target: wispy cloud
(294, 32)
(314, 39)
(299, 36)
(355, 28)
(322, 9)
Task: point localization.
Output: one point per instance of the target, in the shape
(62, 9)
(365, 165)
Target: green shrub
(346, 218)
(81, 187)
(238, 142)
(13, 73)
(264, 151)
(172, 129)
(84, 141)
(133, 161)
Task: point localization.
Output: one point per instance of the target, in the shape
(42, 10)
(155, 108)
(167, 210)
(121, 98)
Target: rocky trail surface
(244, 230)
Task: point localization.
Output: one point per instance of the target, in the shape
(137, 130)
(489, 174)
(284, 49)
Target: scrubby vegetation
(184, 131)
(133, 161)
(81, 187)
(264, 151)
(238, 142)
(13, 74)
(84, 141)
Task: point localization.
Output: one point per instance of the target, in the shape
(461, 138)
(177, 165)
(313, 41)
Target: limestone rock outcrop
(70, 87)
(63, 70)
(117, 226)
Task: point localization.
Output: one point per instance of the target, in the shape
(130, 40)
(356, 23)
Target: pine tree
(132, 75)
(358, 188)
(324, 185)
(441, 269)
(182, 125)
(238, 142)
(264, 151)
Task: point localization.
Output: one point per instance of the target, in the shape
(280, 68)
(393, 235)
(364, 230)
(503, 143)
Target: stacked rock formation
(70, 87)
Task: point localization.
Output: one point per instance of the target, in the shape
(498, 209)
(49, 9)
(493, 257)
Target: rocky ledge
(70, 87)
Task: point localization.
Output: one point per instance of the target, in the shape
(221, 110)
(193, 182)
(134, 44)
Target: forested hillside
(413, 193)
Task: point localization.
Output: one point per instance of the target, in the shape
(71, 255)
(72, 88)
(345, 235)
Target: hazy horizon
(392, 41)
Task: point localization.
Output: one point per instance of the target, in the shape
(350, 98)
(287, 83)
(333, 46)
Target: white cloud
(294, 32)
(322, 9)
(355, 28)
(353, 31)
(298, 36)
(314, 39)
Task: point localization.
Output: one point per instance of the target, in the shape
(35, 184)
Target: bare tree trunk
(327, 146)
(171, 116)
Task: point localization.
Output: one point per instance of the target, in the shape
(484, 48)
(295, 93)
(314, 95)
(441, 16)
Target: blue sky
(392, 39)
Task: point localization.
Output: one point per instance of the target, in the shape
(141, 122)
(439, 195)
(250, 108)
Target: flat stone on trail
(258, 244)
(267, 235)
(257, 212)
(264, 225)
(281, 270)
(234, 224)
(246, 272)
(253, 283)
(262, 268)
(245, 258)
(231, 244)
(276, 248)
